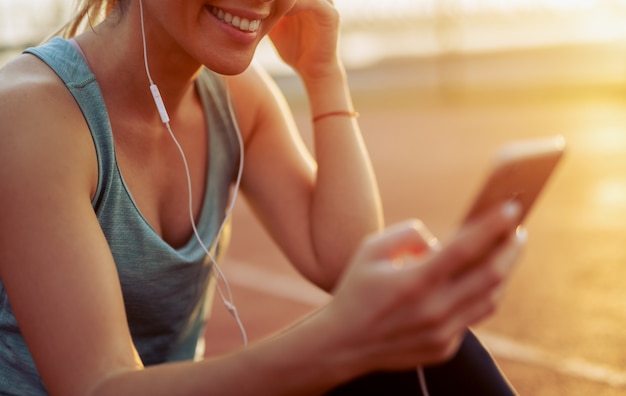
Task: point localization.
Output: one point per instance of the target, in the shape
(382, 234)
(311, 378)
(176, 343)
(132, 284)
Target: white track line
(281, 285)
(507, 348)
(298, 290)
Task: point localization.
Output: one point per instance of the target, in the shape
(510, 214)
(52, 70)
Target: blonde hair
(87, 14)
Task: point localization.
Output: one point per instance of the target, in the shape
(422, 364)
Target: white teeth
(240, 23)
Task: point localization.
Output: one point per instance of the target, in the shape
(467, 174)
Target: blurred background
(440, 84)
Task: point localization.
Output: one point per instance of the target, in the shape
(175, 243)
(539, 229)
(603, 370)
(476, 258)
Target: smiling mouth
(238, 22)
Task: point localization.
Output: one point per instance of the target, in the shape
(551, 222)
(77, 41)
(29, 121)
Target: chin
(231, 66)
(229, 71)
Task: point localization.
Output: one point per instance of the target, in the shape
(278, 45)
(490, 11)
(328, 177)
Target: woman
(110, 206)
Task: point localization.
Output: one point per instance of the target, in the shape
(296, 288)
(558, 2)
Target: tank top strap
(71, 67)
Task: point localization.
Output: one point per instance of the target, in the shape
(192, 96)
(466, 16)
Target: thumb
(407, 238)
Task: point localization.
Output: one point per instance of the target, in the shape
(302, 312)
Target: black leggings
(472, 371)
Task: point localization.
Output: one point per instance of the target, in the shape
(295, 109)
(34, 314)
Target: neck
(115, 51)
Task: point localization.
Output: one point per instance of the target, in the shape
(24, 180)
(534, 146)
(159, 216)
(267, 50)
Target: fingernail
(429, 237)
(511, 209)
(521, 234)
(434, 244)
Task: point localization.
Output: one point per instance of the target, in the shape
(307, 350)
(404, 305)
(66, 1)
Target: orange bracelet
(352, 114)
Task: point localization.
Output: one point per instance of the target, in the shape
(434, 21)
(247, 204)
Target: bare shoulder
(29, 87)
(42, 127)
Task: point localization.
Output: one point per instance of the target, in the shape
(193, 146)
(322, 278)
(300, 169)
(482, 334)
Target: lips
(241, 23)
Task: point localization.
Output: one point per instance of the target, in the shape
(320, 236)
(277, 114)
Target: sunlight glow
(412, 7)
(609, 194)
(604, 140)
(374, 29)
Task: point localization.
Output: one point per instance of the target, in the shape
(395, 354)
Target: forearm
(301, 361)
(346, 202)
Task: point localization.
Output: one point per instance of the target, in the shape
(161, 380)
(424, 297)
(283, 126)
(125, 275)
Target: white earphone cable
(422, 380)
(227, 299)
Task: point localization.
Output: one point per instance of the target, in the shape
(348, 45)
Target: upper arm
(54, 260)
(279, 172)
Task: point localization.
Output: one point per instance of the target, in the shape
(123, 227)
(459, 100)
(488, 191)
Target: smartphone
(521, 170)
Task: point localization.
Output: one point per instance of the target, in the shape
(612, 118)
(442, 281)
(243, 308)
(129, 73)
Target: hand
(400, 309)
(306, 38)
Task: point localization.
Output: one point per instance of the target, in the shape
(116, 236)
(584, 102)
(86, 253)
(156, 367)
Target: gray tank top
(165, 289)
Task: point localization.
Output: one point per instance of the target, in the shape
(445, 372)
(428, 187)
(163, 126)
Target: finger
(475, 240)
(475, 295)
(497, 266)
(422, 348)
(441, 344)
(307, 5)
(407, 238)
